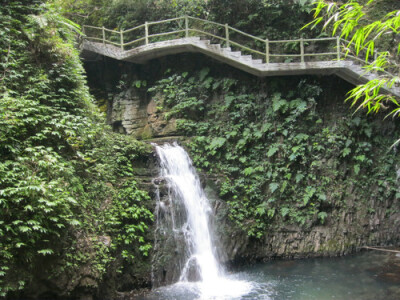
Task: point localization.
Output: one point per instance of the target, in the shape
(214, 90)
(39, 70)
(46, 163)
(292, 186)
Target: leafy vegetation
(70, 207)
(274, 15)
(67, 193)
(278, 157)
(355, 21)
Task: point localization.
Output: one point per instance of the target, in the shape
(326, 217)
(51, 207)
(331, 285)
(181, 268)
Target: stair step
(215, 46)
(257, 61)
(227, 49)
(236, 54)
(195, 38)
(246, 57)
(260, 66)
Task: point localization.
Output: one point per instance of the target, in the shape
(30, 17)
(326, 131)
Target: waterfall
(189, 211)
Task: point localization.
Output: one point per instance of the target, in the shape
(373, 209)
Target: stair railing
(270, 51)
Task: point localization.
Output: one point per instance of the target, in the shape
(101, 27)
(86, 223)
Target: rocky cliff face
(136, 115)
(356, 214)
(345, 232)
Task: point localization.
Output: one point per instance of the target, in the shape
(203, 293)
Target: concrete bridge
(224, 43)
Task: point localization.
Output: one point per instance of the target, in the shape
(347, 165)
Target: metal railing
(297, 50)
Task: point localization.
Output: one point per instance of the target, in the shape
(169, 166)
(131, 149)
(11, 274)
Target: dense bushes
(60, 166)
(277, 19)
(280, 157)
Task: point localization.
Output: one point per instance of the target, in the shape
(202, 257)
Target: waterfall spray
(200, 263)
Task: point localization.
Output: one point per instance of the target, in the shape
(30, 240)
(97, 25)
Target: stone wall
(335, 238)
(344, 232)
(136, 114)
(346, 229)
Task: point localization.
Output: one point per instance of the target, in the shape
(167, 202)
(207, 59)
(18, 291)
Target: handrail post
(338, 47)
(83, 36)
(186, 26)
(267, 51)
(146, 32)
(121, 33)
(302, 50)
(104, 35)
(228, 44)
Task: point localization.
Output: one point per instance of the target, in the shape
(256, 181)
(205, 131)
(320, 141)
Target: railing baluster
(338, 47)
(227, 35)
(121, 35)
(302, 50)
(146, 32)
(186, 26)
(82, 37)
(88, 35)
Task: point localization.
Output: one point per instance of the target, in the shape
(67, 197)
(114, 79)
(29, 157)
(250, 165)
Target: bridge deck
(346, 69)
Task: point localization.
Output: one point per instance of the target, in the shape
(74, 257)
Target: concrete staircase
(347, 69)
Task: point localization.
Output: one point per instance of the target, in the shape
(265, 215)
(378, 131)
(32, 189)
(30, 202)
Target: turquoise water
(369, 275)
(362, 276)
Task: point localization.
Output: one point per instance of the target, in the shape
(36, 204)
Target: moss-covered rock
(295, 173)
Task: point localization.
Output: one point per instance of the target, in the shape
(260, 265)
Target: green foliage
(274, 15)
(58, 161)
(279, 159)
(81, 11)
(128, 13)
(183, 95)
(127, 220)
(354, 20)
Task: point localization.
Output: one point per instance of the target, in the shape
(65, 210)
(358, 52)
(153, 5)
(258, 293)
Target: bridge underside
(347, 70)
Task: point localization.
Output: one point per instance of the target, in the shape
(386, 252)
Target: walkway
(221, 42)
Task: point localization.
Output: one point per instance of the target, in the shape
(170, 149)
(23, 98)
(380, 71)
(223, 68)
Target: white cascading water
(177, 170)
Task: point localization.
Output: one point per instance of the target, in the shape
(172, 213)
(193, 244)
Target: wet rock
(191, 271)
(134, 114)
(344, 236)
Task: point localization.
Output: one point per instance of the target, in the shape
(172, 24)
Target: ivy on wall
(278, 156)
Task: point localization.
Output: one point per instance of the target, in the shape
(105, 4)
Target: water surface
(366, 276)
